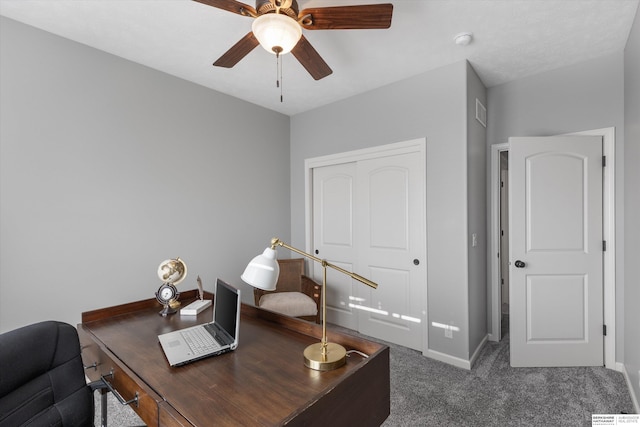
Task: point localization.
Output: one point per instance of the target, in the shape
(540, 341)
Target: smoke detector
(463, 39)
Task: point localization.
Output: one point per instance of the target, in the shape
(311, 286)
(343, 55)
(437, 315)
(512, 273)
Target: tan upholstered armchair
(296, 295)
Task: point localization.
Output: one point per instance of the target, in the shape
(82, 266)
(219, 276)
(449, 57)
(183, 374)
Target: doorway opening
(504, 244)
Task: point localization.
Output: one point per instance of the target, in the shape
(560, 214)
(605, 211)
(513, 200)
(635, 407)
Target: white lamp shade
(275, 30)
(263, 271)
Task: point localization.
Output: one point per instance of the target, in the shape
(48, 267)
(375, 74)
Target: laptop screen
(226, 307)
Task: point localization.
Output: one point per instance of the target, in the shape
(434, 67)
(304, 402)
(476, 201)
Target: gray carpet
(425, 392)
(117, 415)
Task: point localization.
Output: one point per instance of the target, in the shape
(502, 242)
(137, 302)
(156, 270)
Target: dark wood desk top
(263, 382)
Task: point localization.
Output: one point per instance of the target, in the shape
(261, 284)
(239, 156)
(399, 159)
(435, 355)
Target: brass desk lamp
(262, 272)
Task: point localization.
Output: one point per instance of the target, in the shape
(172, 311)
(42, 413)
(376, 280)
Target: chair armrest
(257, 294)
(98, 385)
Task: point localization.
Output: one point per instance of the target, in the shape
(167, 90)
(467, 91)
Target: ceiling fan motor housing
(287, 7)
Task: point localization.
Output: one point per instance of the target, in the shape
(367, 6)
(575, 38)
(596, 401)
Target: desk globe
(171, 272)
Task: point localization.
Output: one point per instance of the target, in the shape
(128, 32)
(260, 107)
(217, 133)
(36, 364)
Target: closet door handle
(520, 264)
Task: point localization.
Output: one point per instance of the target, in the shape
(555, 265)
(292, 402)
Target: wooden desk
(262, 383)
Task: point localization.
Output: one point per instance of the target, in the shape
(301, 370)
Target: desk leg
(103, 407)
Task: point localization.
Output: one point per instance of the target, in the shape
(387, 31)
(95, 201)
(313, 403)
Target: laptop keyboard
(200, 341)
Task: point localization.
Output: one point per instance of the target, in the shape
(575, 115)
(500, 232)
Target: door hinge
(604, 161)
(502, 281)
(604, 330)
(604, 245)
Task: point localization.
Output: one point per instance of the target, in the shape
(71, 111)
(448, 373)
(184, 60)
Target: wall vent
(481, 113)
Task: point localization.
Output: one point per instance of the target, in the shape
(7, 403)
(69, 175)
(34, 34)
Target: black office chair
(42, 380)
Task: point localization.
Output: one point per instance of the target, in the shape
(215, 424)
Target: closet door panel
(388, 234)
(333, 214)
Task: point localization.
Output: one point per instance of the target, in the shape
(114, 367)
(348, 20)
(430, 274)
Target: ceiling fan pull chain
(281, 83)
(277, 69)
(279, 73)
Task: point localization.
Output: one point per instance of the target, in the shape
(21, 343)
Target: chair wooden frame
(293, 279)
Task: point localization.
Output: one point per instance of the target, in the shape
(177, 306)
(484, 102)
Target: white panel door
(390, 230)
(333, 236)
(556, 251)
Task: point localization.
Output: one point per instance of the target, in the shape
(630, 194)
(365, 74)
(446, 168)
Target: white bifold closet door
(369, 218)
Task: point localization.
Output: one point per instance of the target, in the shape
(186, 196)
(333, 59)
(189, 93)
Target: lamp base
(336, 357)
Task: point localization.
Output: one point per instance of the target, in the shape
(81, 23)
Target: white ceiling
(512, 39)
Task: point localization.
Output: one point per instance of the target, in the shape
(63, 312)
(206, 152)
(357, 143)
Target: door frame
(608, 234)
(411, 146)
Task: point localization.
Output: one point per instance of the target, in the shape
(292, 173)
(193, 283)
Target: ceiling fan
(282, 18)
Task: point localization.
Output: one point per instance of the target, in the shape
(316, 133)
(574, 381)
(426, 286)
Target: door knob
(519, 264)
(416, 261)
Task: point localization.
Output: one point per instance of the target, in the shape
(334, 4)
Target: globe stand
(168, 309)
(167, 295)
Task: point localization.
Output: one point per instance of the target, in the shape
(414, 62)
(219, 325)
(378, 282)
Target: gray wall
(108, 168)
(431, 105)
(632, 206)
(477, 211)
(585, 96)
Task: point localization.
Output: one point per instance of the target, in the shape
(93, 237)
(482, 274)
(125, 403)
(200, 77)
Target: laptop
(210, 339)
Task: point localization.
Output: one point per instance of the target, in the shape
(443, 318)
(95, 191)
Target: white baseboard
(620, 367)
(446, 358)
(457, 361)
(476, 353)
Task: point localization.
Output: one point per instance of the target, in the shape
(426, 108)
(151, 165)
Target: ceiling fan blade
(231, 6)
(375, 16)
(311, 59)
(237, 51)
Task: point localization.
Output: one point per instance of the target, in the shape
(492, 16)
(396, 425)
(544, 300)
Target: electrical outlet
(448, 328)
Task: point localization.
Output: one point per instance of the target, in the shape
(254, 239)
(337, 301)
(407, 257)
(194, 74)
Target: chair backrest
(42, 379)
(290, 278)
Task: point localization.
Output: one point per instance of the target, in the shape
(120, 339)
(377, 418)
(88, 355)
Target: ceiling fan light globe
(276, 33)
